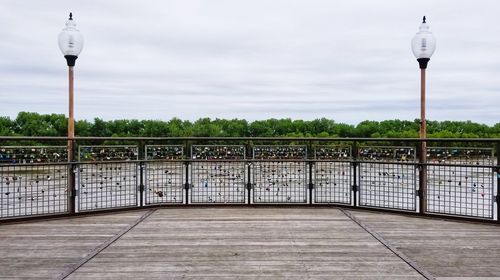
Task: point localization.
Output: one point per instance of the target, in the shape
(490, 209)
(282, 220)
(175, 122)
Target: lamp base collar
(423, 62)
(70, 59)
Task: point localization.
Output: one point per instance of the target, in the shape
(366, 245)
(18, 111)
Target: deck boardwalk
(46, 248)
(445, 248)
(248, 243)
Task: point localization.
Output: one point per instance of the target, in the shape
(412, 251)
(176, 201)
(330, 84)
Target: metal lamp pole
(423, 46)
(423, 135)
(71, 116)
(71, 44)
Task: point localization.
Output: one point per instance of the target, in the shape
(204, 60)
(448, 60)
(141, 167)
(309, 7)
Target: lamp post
(423, 46)
(71, 43)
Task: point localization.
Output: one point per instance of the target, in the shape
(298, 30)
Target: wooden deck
(249, 243)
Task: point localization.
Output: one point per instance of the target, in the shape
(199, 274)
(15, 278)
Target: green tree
(6, 126)
(34, 124)
(260, 129)
(100, 128)
(367, 128)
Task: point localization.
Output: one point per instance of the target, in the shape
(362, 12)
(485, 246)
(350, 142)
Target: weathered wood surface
(46, 248)
(249, 243)
(246, 244)
(444, 248)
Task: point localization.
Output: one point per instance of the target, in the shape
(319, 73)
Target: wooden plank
(43, 249)
(393, 249)
(103, 246)
(248, 243)
(235, 243)
(445, 248)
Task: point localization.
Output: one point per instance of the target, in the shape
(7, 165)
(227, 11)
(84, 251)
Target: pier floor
(249, 243)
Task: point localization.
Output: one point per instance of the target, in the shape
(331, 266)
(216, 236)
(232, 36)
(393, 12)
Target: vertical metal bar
(186, 182)
(248, 150)
(423, 126)
(421, 179)
(355, 172)
(498, 182)
(71, 143)
(310, 155)
(72, 188)
(141, 154)
(249, 155)
(311, 184)
(249, 184)
(141, 183)
(71, 119)
(423, 146)
(71, 177)
(142, 150)
(188, 154)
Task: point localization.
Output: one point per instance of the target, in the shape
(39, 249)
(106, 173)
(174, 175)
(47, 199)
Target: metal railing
(461, 179)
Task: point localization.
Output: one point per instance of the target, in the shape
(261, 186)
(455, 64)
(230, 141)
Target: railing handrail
(307, 139)
(188, 160)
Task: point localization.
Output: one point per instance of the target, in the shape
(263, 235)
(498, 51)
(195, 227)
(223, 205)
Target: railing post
(187, 155)
(141, 183)
(72, 187)
(498, 181)
(310, 155)
(186, 182)
(249, 183)
(311, 184)
(249, 155)
(248, 150)
(142, 150)
(422, 177)
(355, 172)
(71, 177)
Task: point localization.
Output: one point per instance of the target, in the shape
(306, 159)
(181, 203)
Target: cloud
(345, 60)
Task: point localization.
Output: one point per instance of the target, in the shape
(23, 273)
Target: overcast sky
(304, 59)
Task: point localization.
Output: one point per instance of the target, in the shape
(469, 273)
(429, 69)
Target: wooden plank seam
(394, 250)
(103, 246)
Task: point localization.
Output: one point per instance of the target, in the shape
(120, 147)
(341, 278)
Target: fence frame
(249, 143)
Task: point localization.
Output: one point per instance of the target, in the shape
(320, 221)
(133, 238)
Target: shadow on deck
(248, 243)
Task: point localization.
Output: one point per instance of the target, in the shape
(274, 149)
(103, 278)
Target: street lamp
(423, 46)
(71, 43)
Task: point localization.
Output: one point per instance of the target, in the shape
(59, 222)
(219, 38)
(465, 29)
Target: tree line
(34, 124)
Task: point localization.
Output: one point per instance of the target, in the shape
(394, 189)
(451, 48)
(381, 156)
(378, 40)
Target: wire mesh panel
(27, 190)
(107, 185)
(33, 154)
(460, 190)
(210, 152)
(280, 152)
(220, 179)
(108, 153)
(280, 181)
(387, 185)
(164, 152)
(332, 176)
(164, 180)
